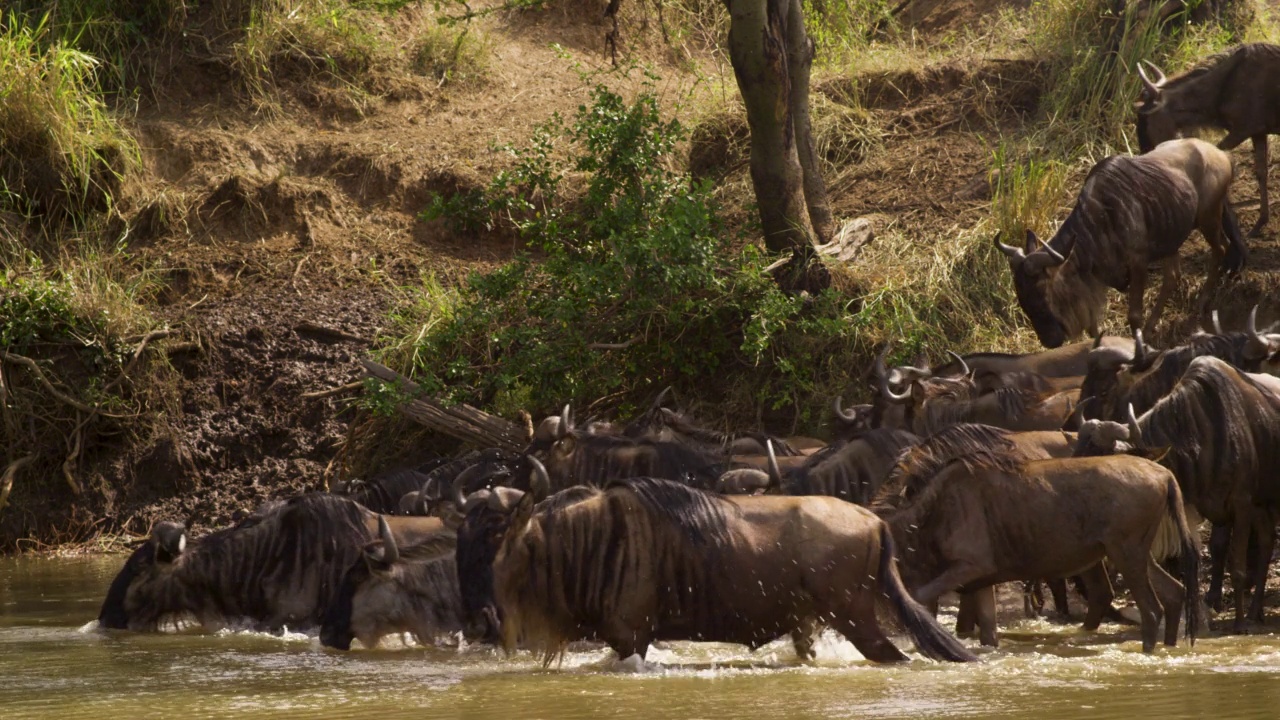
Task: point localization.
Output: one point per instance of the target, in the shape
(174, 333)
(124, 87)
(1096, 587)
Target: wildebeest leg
(966, 614)
(1132, 561)
(1170, 592)
(1264, 528)
(1137, 288)
(957, 575)
(857, 622)
(1219, 544)
(1172, 270)
(1032, 598)
(1058, 588)
(1260, 172)
(985, 601)
(1098, 594)
(802, 639)
(1240, 527)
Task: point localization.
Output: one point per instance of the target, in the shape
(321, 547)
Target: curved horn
(1058, 259)
(840, 412)
(1013, 253)
(1150, 89)
(775, 473)
(884, 381)
(539, 481)
(1135, 432)
(1139, 349)
(1160, 81)
(661, 400)
(1077, 414)
(964, 366)
(1097, 341)
(1216, 326)
(566, 420)
(460, 483)
(1255, 340)
(390, 553)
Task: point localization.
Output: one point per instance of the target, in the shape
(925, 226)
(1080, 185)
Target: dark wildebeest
(382, 492)
(1117, 379)
(279, 567)
(852, 471)
(648, 559)
(1237, 91)
(1131, 212)
(579, 458)
(390, 591)
(990, 518)
(1222, 426)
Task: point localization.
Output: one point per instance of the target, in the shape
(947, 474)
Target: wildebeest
(1117, 379)
(1237, 91)
(382, 492)
(389, 591)
(279, 567)
(648, 559)
(1131, 212)
(579, 458)
(1222, 428)
(990, 518)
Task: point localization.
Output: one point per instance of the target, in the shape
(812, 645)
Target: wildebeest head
(124, 607)
(1155, 121)
(486, 517)
(1102, 376)
(852, 423)
(1035, 269)
(387, 591)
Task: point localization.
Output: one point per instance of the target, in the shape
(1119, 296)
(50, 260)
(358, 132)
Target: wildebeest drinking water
(1131, 212)
(1237, 91)
(279, 567)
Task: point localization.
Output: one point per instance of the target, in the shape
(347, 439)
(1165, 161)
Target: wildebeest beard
(273, 569)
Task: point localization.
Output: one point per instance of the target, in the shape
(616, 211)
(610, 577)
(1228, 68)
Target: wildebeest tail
(930, 637)
(1189, 563)
(1236, 252)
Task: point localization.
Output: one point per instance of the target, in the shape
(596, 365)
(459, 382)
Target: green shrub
(634, 286)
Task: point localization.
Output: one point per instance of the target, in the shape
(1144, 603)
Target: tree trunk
(758, 52)
(799, 63)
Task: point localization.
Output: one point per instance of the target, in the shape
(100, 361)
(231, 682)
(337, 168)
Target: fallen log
(460, 421)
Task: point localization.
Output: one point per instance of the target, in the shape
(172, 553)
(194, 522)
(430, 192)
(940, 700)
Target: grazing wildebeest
(648, 559)
(1131, 212)
(1222, 428)
(990, 518)
(279, 567)
(390, 591)
(1237, 91)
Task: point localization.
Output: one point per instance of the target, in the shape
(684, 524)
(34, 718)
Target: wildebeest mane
(1219, 423)
(843, 471)
(665, 534)
(1169, 367)
(976, 446)
(700, 515)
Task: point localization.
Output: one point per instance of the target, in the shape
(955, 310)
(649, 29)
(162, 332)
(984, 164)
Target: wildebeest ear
(170, 539)
(523, 511)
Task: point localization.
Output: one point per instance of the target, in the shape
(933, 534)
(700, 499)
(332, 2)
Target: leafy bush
(634, 286)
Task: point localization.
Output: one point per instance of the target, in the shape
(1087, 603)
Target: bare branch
(316, 395)
(613, 346)
(10, 473)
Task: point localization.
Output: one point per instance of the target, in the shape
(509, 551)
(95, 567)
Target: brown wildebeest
(1117, 379)
(1237, 91)
(989, 518)
(940, 402)
(1222, 426)
(852, 471)
(1132, 211)
(650, 559)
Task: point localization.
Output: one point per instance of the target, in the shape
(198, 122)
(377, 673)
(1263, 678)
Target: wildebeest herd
(1091, 460)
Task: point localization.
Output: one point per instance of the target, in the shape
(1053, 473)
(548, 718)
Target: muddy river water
(53, 664)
